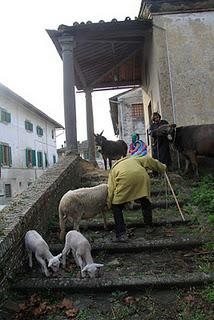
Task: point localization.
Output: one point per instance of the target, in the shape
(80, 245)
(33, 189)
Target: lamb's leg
(75, 258)
(81, 264)
(65, 252)
(43, 265)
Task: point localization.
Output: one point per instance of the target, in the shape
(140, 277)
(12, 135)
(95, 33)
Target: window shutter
(41, 159)
(26, 156)
(8, 117)
(33, 158)
(1, 154)
(38, 159)
(3, 116)
(10, 157)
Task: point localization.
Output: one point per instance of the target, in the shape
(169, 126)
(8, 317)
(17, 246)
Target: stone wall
(32, 210)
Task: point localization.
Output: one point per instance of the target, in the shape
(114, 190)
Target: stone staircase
(164, 257)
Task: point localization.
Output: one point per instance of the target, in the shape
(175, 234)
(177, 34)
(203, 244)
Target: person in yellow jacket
(128, 181)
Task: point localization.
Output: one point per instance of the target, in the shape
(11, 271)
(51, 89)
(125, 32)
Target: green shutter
(38, 159)
(8, 117)
(26, 156)
(1, 154)
(41, 159)
(33, 158)
(10, 157)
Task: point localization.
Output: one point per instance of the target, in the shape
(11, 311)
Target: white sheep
(83, 203)
(81, 250)
(34, 243)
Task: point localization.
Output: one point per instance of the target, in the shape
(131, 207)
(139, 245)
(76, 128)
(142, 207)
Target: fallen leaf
(41, 309)
(71, 313)
(189, 298)
(130, 300)
(66, 303)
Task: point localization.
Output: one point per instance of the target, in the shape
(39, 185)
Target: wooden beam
(115, 66)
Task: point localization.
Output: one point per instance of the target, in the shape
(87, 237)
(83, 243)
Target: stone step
(157, 204)
(135, 224)
(140, 245)
(108, 285)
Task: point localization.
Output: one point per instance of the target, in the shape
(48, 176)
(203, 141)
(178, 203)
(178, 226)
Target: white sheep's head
(54, 262)
(91, 269)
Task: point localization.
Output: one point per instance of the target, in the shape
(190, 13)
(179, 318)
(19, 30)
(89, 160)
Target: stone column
(67, 45)
(90, 125)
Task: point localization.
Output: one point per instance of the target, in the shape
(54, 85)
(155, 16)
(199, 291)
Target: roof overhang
(106, 55)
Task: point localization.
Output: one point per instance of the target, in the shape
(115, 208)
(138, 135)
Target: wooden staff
(179, 208)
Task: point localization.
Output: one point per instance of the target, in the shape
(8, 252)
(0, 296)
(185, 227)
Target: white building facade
(27, 143)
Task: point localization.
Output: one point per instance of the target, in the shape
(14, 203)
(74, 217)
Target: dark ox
(111, 150)
(191, 141)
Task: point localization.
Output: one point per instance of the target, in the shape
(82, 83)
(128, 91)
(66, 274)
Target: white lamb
(34, 243)
(81, 251)
(83, 203)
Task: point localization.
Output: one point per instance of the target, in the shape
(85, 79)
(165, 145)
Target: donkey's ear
(101, 132)
(94, 134)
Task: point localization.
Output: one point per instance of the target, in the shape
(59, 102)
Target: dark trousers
(117, 210)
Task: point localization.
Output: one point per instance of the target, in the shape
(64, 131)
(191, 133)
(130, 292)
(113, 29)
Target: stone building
(27, 143)
(127, 114)
(178, 63)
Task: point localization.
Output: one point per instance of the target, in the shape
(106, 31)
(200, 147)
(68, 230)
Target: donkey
(111, 150)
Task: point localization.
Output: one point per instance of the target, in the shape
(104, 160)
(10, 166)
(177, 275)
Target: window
(7, 190)
(28, 126)
(39, 131)
(40, 159)
(137, 111)
(30, 158)
(5, 155)
(52, 133)
(54, 158)
(5, 116)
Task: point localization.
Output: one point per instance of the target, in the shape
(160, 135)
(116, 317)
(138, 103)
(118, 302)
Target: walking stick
(179, 208)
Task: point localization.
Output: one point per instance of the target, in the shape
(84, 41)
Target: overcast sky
(30, 64)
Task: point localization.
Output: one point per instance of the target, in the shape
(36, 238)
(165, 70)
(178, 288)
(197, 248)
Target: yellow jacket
(128, 179)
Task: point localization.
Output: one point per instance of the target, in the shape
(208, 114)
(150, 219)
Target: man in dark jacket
(160, 144)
